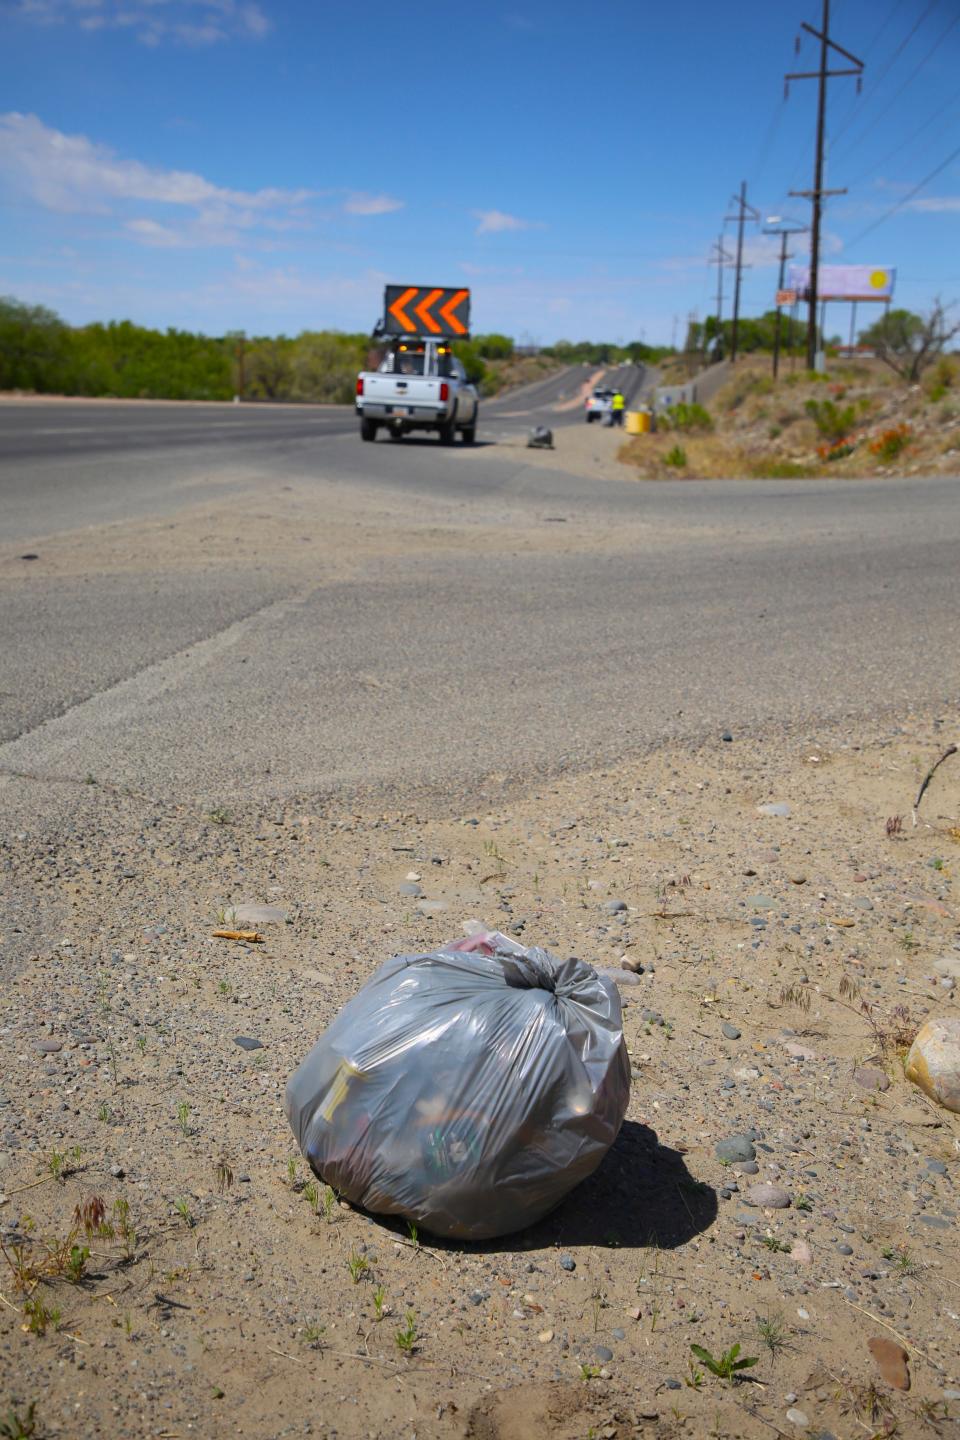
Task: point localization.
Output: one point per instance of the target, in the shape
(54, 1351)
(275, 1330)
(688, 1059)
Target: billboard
(845, 282)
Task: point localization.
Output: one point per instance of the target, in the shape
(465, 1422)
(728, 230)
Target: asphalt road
(707, 605)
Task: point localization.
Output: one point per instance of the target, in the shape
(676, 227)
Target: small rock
(432, 907)
(735, 1148)
(844, 1249)
(798, 1418)
(49, 1047)
(801, 1252)
(778, 808)
(768, 1196)
(615, 907)
(934, 1062)
(948, 966)
(603, 1353)
(567, 1262)
(799, 1052)
(255, 915)
(672, 1384)
(413, 875)
(798, 878)
(117, 1171)
(409, 887)
(730, 1031)
(869, 1078)
(891, 1360)
(247, 1042)
(726, 737)
(545, 1337)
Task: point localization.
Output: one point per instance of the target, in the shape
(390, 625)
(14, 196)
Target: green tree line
(39, 352)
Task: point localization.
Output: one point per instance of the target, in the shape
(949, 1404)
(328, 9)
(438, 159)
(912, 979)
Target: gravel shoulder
(784, 961)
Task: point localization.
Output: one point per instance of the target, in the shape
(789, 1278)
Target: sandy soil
(226, 1297)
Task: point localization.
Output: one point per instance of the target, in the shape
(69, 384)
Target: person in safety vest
(617, 405)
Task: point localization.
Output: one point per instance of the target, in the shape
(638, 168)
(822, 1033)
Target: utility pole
(743, 209)
(721, 260)
(816, 195)
(784, 230)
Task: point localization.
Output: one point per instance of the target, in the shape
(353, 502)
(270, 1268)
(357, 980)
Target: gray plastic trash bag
(468, 1090)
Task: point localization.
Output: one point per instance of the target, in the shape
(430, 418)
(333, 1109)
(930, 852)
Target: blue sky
(219, 164)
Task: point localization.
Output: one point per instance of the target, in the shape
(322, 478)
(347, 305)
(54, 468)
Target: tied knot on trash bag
(468, 1089)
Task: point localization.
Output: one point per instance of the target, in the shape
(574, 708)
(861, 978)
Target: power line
(889, 154)
(852, 144)
(905, 200)
(884, 72)
(866, 55)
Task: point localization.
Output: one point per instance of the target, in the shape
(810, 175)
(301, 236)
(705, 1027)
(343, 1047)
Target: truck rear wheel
(469, 433)
(368, 429)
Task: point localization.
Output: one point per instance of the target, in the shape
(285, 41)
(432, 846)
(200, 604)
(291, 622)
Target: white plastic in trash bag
(468, 1090)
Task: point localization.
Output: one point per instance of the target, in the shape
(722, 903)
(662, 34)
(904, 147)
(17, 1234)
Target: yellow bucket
(638, 422)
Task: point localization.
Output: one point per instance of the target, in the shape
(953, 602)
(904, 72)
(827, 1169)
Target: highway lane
(491, 640)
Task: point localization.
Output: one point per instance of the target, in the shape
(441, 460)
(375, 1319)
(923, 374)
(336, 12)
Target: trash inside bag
(468, 1090)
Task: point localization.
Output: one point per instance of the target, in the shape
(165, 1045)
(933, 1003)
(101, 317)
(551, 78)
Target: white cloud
(936, 205)
(359, 203)
(72, 173)
(189, 22)
(494, 221)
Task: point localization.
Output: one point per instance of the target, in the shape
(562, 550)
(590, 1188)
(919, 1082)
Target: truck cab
(419, 385)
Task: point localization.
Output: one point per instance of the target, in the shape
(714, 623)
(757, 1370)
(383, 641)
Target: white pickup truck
(419, 385)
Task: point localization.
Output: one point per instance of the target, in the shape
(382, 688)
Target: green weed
(406, 1336)
(358, 1265)
(726, 1366)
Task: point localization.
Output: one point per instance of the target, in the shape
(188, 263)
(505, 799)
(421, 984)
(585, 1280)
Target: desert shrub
(688, 418)
(833, 422)
(943, 377)
(890, 443)
(676, 456)
(836, 449)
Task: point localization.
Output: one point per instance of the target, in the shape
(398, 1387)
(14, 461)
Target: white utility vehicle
(599, 403)
(419, 385)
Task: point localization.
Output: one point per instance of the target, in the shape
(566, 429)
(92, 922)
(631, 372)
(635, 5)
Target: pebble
(730, 1031)
(891, 1360)
(409, 887)
(247, 1042)
(603, 1353)
(778, 808)
(768, 1196)
(798, 1418)
(49, 1047)
(567, 1262)
(798, 878)
(801, 1252)
(545, 1337)
(735, 1148)
(726, 737)
(615, 907)
(869, 1078)
(934, 1062)
(844, 1249)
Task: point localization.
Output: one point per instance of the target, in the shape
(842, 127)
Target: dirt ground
(785, 961)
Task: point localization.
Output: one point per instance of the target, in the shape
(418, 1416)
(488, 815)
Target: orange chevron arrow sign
(427, 310)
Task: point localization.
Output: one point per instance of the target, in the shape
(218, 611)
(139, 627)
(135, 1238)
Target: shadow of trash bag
(467, 1090)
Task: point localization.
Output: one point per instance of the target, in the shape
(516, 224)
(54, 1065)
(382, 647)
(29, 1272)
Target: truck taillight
(444, 391)
(359, 384)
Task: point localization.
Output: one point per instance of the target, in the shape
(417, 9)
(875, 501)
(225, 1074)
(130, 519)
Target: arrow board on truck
(428, 310)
